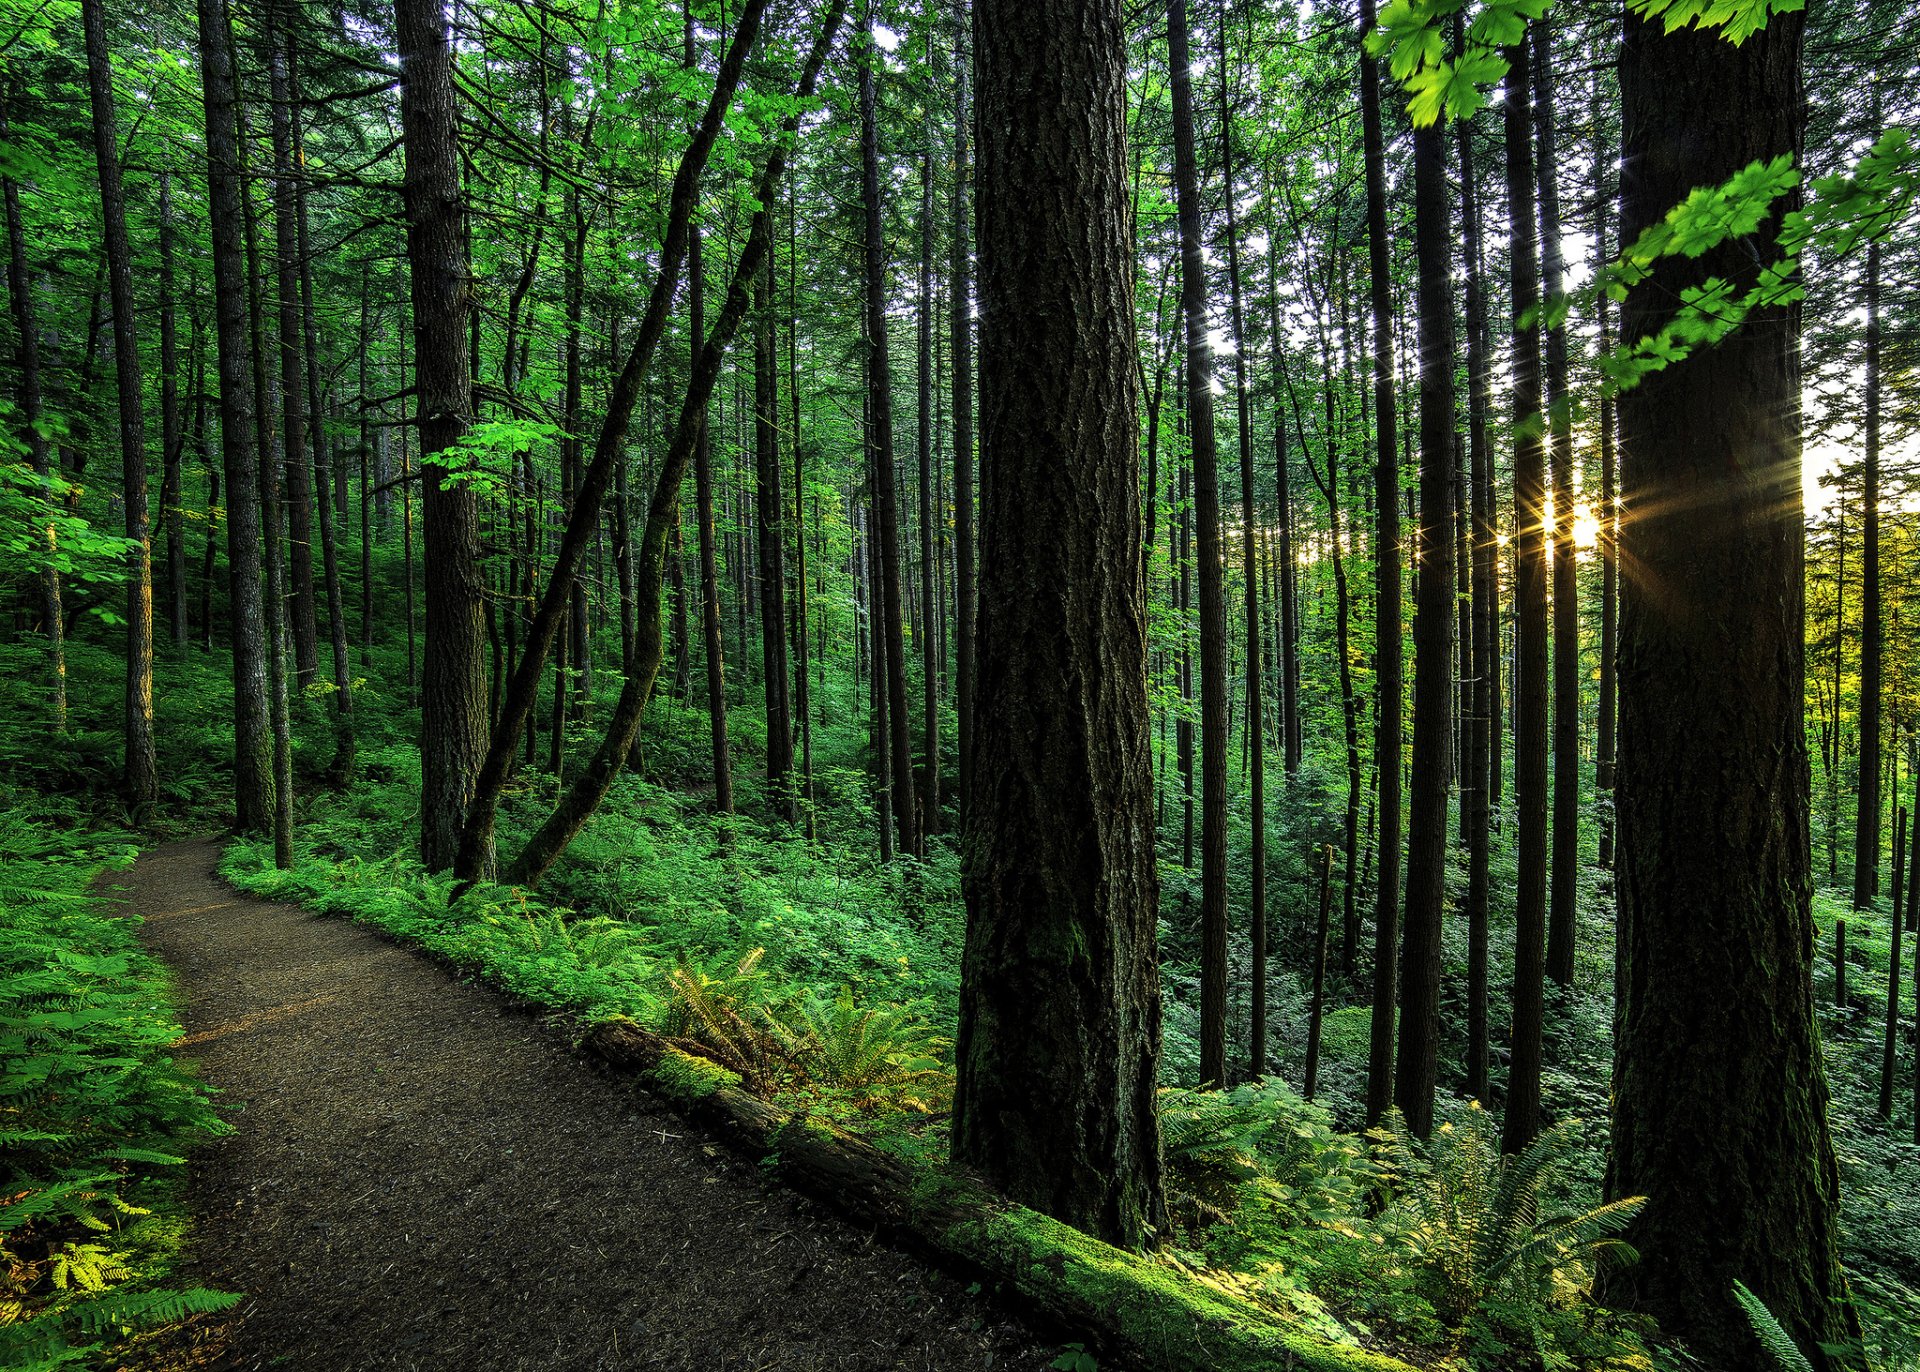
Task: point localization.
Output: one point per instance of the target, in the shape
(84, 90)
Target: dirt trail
(422, 1177)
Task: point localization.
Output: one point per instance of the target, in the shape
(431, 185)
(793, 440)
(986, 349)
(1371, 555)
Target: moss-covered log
(1126, 1305)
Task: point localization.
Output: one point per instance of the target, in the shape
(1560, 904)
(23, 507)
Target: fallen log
(1126, 1305)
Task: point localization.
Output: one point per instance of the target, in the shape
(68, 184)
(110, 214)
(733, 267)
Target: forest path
(423, 1177)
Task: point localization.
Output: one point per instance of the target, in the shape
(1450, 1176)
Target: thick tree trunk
(140, 776)
(1720, 1097)
(172, 431)
(1213, 608)
(252, 741)
(1433, 625)
(1387, 650)
(1522, 1121)
(453, 700)
(1060, 1002)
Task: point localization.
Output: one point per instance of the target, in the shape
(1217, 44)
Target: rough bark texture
(140, 776)
(453, 696)
(1059, 1035)
(252, 744)
(1433, 622)
(1211, 574)
(1720, 1097)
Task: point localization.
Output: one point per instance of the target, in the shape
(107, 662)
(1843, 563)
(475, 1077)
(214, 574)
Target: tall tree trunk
(1866, 823)
(710, 621)
(453, 699)
(802, 697)
(39, 453)
(1213, 609)
(1724, 1133)
(252, 742)
(1255, 731)
(1476, 785)
(1387, 649)
(1060, 1001)
(960, 330)
(1562, 915)
(772, 551)
(140, 777)
(1433, 624)
(886, 501)
(1609, 515)
(928, 632)
(1522, 1121)
(172, 431)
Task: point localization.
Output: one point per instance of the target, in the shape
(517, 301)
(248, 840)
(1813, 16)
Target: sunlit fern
(1472, 1217)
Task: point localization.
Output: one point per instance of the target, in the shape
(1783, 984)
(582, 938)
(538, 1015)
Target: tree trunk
(1213, 609)
(1561, 913)
(1059, 1035)
(172, 431)
(140, 777)
(928, 633)
(710, 621)
(252, 741)
(1387, 649)
(32, 399)
(772, 550)
(1433, 625)
(453, 700)
(1522, 1123)
(1476, 785)
(1866, 823)
(880, 437)
(960, 329)
(1254, 732)
(1609, 514)
(1724, 1133)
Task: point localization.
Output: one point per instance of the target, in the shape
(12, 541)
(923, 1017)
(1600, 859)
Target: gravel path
(422, 1177)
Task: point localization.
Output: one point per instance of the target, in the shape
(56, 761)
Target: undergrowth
(94, 1113)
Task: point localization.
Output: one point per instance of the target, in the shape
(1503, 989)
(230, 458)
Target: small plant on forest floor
(1472, 1220)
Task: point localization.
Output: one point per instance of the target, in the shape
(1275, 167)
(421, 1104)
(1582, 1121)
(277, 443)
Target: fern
(1773, 1336)
(1472, 1219)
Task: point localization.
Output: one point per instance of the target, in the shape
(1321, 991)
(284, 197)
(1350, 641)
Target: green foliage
(1774, 1339)
(90, 1100)
(1472, 1219)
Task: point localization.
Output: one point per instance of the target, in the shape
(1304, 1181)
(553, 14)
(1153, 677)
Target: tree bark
(906, 815)
(1724, 1131)
(960, 329)
(252, 741)
(1213, 609)
(772, 550)
(1564, 886)
(1433, 625)
(1060, 999)
(1387, 651)
(140, 777)
(1522, 1122)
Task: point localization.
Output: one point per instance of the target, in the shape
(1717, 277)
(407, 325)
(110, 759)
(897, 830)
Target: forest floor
(422, 1176)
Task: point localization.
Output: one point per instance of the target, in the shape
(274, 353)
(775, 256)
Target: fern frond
(1773, 1336)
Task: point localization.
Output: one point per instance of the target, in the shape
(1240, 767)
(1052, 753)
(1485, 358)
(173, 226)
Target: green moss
(1162, 1315)
(685, 1079)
